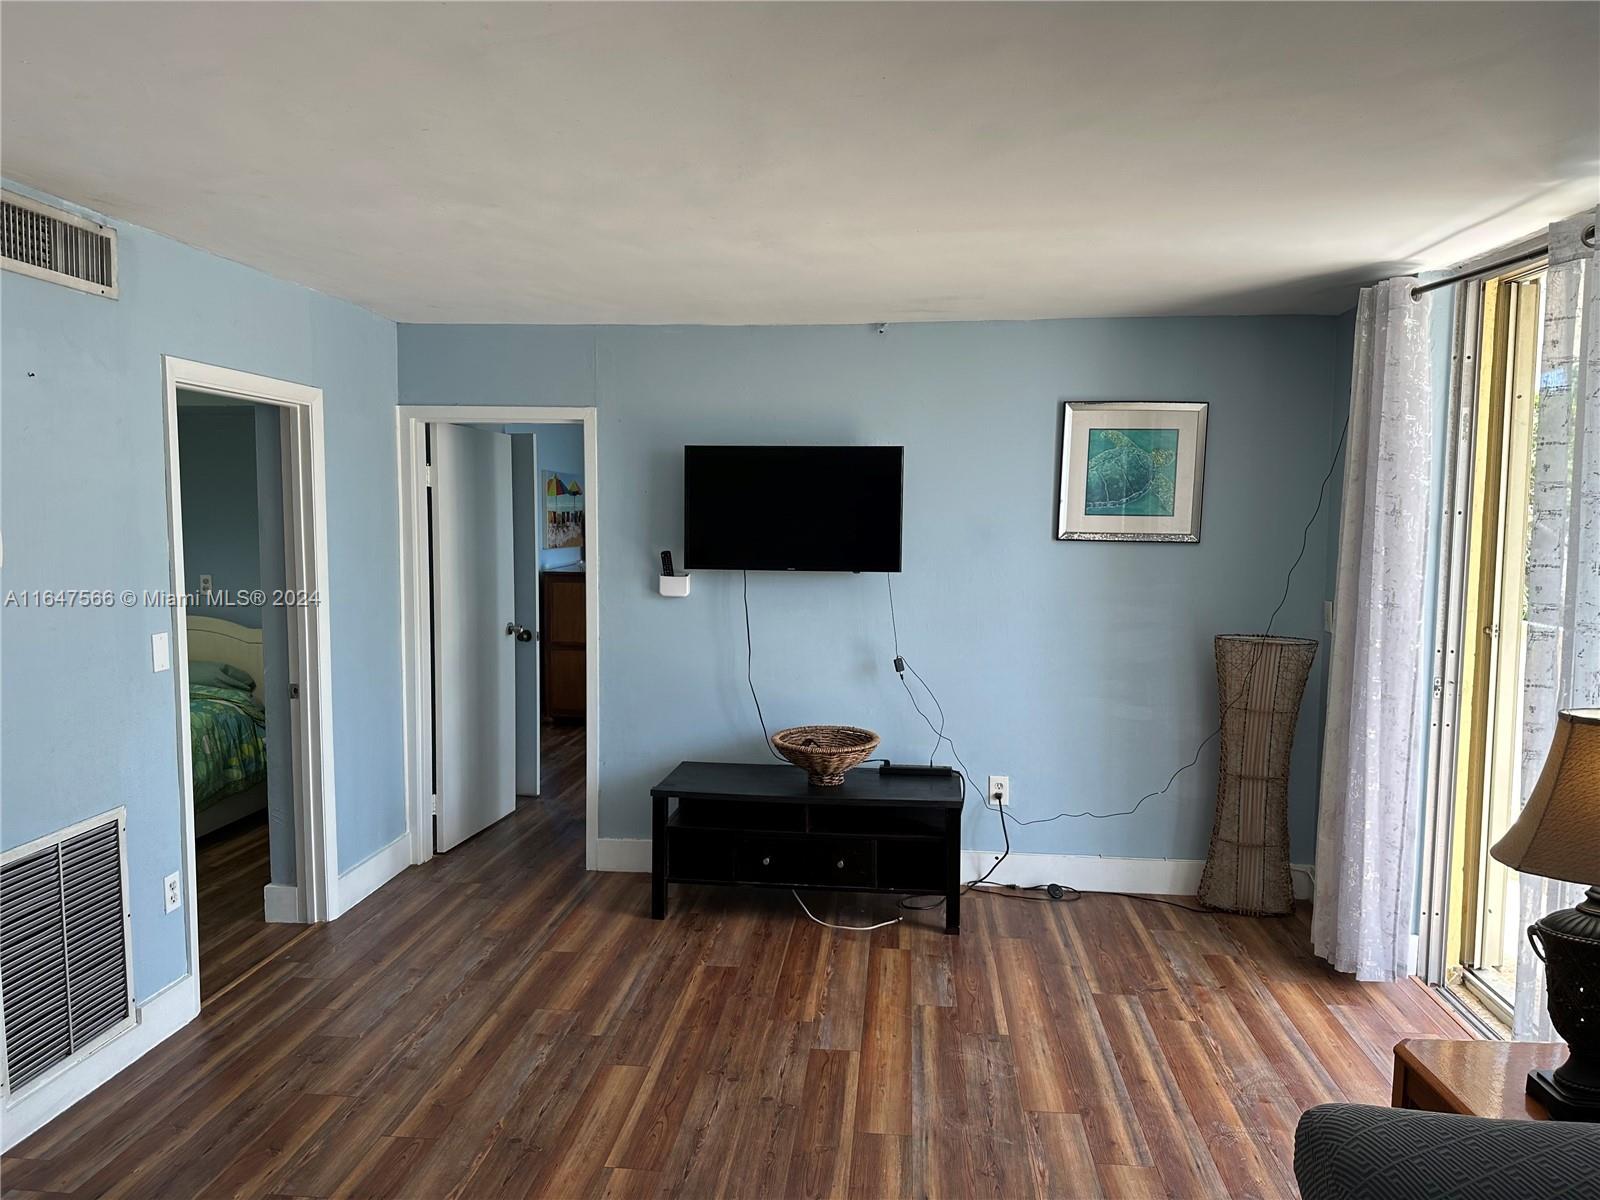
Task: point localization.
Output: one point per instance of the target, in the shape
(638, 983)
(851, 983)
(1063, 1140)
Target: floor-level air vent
(64, 977)
(61, 247)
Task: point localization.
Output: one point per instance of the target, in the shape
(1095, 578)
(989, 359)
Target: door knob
(520, 632)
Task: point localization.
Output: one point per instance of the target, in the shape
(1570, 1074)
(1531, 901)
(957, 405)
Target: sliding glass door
(1485, 924)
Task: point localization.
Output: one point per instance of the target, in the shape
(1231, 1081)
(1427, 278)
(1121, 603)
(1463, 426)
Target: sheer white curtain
(1372, 776)
(1561, 629)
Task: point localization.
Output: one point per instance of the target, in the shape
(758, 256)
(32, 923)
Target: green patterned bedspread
(228, 730)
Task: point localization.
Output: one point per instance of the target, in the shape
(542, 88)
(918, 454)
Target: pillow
(223, 675)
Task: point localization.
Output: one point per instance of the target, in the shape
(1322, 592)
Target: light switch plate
(173, 895)
(160, 652)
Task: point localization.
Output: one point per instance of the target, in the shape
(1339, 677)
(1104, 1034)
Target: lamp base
(1565, 1103)
(1569, 943)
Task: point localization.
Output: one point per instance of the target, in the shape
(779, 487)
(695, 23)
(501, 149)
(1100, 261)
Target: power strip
(938, 772)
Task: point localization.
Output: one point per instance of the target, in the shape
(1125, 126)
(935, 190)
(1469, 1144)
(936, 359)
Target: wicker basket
(826, 752)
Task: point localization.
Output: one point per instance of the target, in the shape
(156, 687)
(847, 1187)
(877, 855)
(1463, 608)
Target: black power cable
(1056, 892)
(1244, 686)
(1065, 893)
(749, 671)
(901, 666)
(1053, 891)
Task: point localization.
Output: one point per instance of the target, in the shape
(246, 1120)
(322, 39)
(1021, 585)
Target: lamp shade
(1558, 833)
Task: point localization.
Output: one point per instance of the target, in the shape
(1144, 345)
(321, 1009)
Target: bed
(227, 723)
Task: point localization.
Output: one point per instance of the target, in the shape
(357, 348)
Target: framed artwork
(1131, 471)
(563, 510)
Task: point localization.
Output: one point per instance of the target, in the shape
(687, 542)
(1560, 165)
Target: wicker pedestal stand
(1261, 681)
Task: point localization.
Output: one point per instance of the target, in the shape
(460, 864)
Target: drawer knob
(767, 862)
(840, 864)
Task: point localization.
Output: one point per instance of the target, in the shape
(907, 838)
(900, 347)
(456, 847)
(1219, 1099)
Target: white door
(474, 623)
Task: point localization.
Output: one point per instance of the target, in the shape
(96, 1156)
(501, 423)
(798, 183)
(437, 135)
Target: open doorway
(500, 617)
(249, 640)
(231, 481)
(550, 499)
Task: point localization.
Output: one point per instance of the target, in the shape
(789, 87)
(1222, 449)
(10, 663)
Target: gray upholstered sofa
(1358, 1152)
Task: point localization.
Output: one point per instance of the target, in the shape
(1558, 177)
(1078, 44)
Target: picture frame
(1131, 471)
(561, 509)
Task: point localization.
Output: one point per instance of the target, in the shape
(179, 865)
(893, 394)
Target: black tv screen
(792, 508)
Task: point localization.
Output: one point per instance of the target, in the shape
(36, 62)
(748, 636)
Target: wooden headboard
(215, 640)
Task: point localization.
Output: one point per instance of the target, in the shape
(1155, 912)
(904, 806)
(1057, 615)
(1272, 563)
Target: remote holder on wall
(672, 584)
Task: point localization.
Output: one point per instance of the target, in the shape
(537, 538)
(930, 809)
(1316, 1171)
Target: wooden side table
(1477, 1079)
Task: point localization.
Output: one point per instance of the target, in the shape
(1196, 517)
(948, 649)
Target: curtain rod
(1423, 289)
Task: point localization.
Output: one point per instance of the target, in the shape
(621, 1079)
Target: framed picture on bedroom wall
(563, 511)
(1131, 471)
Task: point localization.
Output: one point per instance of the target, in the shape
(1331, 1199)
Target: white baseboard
(281, 904)
(371, 873)
(1092, 872)
(622, 854)
(1097, 873)
(158, 1018)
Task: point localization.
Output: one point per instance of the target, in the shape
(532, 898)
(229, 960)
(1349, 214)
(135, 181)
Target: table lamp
(1558, 836)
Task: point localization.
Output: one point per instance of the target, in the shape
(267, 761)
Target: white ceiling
(764, 164)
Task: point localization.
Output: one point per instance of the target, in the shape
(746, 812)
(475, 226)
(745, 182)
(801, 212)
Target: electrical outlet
(1000, 790)
(173, 896)
(205, 585)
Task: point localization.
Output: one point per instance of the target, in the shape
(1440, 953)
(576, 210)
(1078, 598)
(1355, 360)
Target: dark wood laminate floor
(499, 1023)
(231, 869)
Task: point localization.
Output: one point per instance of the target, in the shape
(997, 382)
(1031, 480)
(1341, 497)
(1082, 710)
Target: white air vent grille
(58, 246)
(64, 978)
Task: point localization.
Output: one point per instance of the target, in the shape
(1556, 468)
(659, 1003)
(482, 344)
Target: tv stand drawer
(815, 861)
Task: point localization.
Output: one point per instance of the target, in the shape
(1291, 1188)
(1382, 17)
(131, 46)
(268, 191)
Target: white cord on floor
(846, 928)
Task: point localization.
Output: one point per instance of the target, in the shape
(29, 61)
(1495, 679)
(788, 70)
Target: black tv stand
(764, 825)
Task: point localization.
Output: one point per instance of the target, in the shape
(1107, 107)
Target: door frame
(418, 667)
(306, 570)
(538, 618)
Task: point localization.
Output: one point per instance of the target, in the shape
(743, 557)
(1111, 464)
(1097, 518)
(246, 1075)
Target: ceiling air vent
(64, 978)
(57, 246)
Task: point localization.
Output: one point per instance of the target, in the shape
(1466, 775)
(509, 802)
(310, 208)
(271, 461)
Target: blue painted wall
(87, 725)
(1082, 670)
(217, 450)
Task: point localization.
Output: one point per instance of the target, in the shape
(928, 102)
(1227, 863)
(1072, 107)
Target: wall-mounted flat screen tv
(792, 508)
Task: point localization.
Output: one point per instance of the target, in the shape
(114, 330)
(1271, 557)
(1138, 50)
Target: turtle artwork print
(1131, 471)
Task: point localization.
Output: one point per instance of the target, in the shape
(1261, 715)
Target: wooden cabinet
(562, 675)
